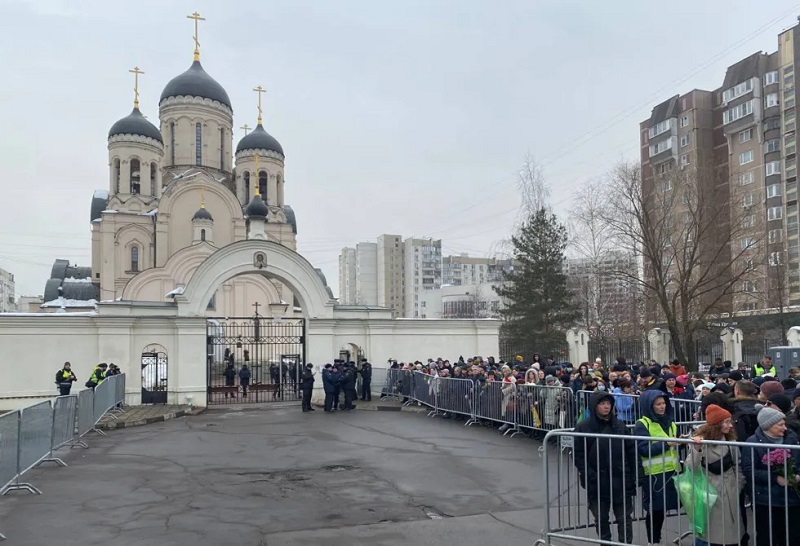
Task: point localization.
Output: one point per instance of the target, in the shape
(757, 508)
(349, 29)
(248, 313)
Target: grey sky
(408, 117)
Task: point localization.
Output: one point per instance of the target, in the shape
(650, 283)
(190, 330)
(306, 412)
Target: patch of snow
(73, 279)
(177, 291)
(101, 194)
(149, 213)
(68, 303)
(109, 211)
(78, 314)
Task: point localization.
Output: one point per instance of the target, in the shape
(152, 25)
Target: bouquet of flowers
(782, 464)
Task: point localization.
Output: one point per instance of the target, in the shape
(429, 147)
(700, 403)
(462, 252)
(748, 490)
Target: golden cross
(136, 73)
(197, 18)
(202, 198)
(246, 128)
(260, 90)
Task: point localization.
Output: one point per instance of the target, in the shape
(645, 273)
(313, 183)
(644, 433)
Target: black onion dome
(202, 214)
(135, 124)
(256, 208)
(259, 139)
(196, 82)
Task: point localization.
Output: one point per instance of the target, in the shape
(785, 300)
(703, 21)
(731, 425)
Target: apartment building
(390, 273)
(423, 271)
(465, 270)
(7, 297)
(347, 276)
(367, 274)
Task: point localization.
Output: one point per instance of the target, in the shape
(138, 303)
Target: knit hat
(769, 417)
(715, 414)
(683, 380)
(783, 402)
(667, 376)
(708, 386)
(768, 388)
(736, 375)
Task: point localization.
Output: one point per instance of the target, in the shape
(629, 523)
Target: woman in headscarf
(659, 460)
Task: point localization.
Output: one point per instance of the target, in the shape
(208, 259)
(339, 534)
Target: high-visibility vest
(65, 374)
(99, 375)
(760, 370)
(663, 462)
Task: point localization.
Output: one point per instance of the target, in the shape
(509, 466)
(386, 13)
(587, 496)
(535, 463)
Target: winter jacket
(744, 417)
(607, 466)
(366, 371)
(625, 404)
(229, 374)
(244, 376)
(307, 379)
(653, 498)
(764, 480)
(327, 381)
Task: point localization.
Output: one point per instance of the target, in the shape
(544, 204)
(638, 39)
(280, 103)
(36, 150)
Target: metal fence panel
(65, 410)
(496, 401)
(378, 383)
(35, 431)
(456, 396)
(9, 440)
(103, 398)
(426, 388)
(85, 411)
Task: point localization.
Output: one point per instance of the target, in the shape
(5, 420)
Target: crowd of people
(728, 404)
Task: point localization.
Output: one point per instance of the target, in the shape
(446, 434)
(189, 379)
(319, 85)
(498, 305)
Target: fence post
(50, 458)
(17, 485)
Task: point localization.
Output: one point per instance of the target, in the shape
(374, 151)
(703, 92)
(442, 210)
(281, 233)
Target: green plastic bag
(697, 497)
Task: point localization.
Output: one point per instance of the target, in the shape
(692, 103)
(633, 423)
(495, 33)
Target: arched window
(153, 181)
(172, 143)
(136, 176)
(222, 149)
(262, 184)
(202, 235)
(280, 191)
(115, 173)
(246, 182)
(198, 144)
(134, 258)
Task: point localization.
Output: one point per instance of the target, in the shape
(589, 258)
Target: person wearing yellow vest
(659, 459)
(64, 378)
(765, 367)
(98, 374)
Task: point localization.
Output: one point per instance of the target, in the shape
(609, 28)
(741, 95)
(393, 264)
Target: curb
(113, 425)
(381, 407)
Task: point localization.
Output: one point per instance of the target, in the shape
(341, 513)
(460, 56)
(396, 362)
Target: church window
(212, 303)
(153, 179)
(172, 143)
(222, 149)
(198, 144)
(135, 176)
(116, 175)
(134, 258)
(202, 235)
(280, 191)
(246, 182)
(262, 184)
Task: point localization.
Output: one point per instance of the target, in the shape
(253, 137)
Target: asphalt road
(281, 477)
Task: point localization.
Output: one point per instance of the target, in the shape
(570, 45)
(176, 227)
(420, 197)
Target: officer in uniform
(64, 378)
(349, 385)
(336, 379)
(98, 374)
(765, 367)
(307, 384)
(366, 380)
(327, 386)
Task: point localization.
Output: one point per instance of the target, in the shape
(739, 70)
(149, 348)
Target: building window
(116, 174)
(773, 167)
(135, 259)
(666, 184)
(737, 90)
(659, 128)
(660, 146)
(663, 167)
(775, 236)
(774, 213)
(775, 258)
(746, 178)
(153, 180)
(773, 145)
(262, 184)
(771, 77)
(684, 141)
(246, 182)
(747, 200)
(684, 160)
(222, 149)
(172, 143)
(747, 243)
(745, 135)
(198, 143)
(749, 287)
(749, 221)
(771, 100)
(135, 177)
(684, 120)
(746, 157)
(738, 112)
(774, 190)
(202, 235)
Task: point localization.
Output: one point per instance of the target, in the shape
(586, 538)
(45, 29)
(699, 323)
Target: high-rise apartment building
(367, 274)
(463, 269)
(347, 276)
(7, 297)
(390, 273)
(423, 271)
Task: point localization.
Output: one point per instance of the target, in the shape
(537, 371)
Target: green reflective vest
(99, 375)
(66, 375)
(663, 462)
(760, 370)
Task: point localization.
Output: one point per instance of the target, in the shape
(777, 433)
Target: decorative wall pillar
(578, 341)
(659, 339)
(793, 336)
(731, 345)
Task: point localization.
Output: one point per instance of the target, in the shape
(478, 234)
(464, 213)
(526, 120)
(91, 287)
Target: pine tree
(539, 307)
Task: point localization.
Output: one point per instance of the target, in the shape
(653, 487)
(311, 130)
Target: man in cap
(307, 386)
(64, 379)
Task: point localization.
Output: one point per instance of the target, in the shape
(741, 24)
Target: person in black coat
(607, 468)
(336, 379)
(230, 375)
(307, 385)
(244, 379)
(349, 386)
(64, 379)
(327, 386)
(366, 380)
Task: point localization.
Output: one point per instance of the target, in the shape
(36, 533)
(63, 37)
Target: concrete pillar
(578, 341)
(731, 345)
(793, 336)
(659, 339)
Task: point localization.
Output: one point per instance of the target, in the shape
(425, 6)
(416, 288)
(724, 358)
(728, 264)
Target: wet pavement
(278, 476)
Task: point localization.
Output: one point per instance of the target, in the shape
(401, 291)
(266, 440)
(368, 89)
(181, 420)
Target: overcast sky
(408, 117)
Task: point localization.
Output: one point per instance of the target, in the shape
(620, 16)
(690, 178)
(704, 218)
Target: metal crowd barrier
(719, 492)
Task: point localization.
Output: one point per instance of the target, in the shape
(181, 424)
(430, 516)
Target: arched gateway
(256, 358)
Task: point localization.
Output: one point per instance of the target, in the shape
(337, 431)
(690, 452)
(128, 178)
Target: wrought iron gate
(254, 359)
(154, 378)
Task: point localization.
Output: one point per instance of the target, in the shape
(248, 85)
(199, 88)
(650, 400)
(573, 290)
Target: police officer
(366, 380)
(336, 379)
(765, 367)
(64, 379)
(349, 385)
(98, 374)
(307, 384)
(327, 385)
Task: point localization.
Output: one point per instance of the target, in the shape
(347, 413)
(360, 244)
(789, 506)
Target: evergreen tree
(539, 307)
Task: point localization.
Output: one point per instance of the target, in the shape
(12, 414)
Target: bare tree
(699, 253)
(778, 289)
